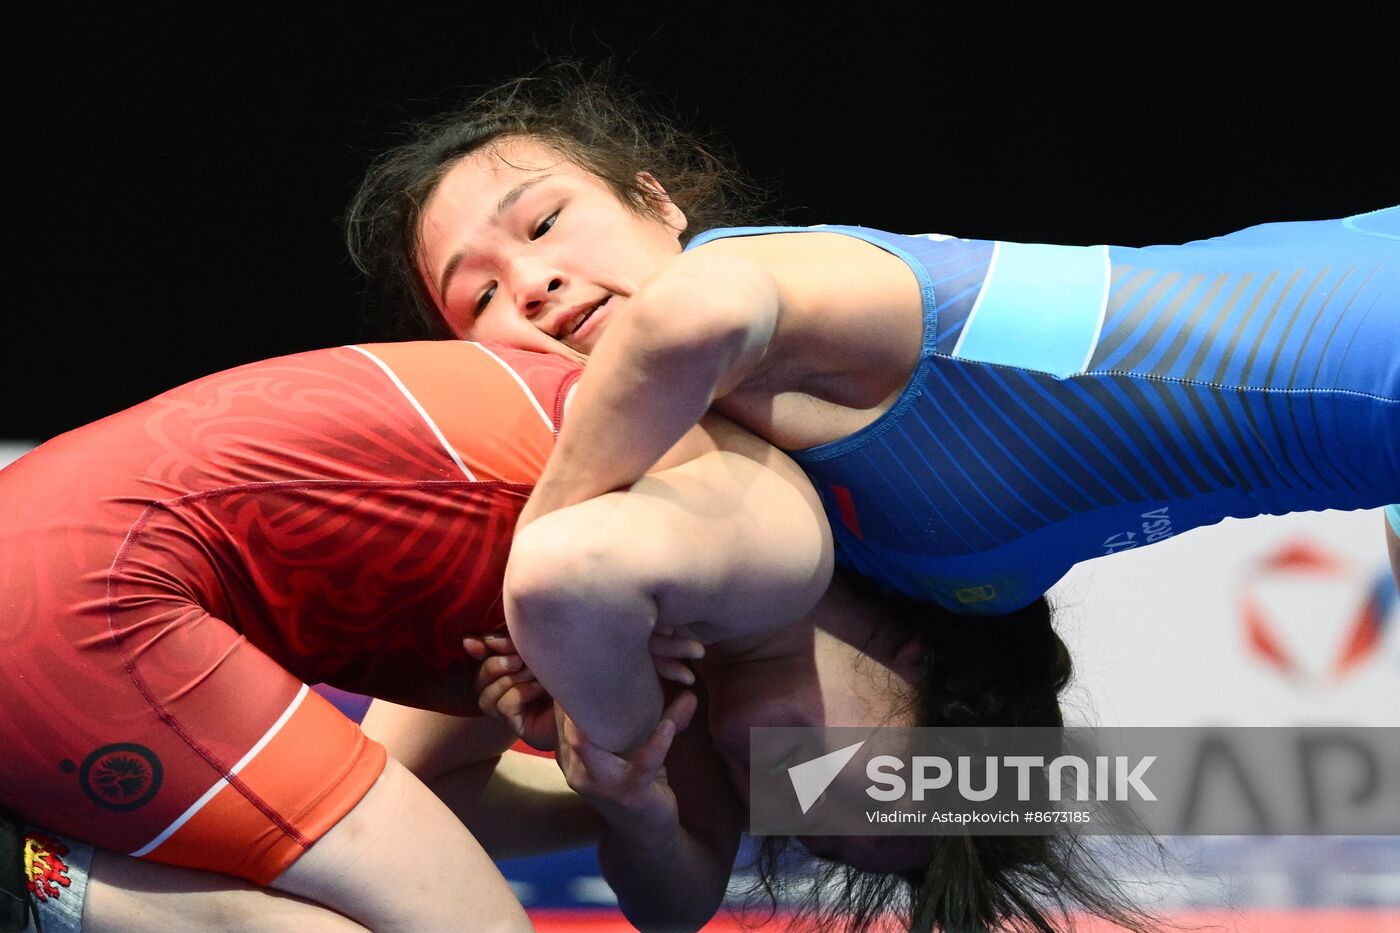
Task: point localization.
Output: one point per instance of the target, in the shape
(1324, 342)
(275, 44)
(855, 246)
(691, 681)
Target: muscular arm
(731, 543)
(693, 333)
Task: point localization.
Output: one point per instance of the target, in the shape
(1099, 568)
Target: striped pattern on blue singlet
(1072, 402)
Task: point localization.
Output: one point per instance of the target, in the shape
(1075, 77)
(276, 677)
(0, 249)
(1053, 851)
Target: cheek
(460, 330)
(465, 327)
(494, 326)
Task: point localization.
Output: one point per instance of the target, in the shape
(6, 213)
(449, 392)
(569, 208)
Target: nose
(536, 283)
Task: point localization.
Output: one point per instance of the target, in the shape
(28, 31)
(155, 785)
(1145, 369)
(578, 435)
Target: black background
(176, 176)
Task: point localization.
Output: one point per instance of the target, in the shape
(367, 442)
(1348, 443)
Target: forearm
(664, 880)
(519, 806)
(692, 333)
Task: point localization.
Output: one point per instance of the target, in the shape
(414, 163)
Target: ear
(671, 215)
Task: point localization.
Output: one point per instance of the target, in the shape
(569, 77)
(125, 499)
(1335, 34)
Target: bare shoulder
(848, 337)
(833, 274)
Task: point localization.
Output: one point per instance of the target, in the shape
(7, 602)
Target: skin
(525, 272)
(802, 340)
(732, 527)
(847, 663)
(843, 664)
(735, 543)
(337, 885)
(534, 277)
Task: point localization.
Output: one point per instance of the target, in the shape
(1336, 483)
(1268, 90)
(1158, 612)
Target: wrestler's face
(835, 668)
(523, 247)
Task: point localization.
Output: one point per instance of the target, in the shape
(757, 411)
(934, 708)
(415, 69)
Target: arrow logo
(811, 778)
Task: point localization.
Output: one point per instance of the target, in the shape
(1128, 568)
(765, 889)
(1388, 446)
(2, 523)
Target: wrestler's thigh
(401, 861)
(127, 895)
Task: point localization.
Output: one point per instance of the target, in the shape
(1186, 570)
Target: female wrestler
(174, 575)
(977, 416)
(839, 666)
(176, 572)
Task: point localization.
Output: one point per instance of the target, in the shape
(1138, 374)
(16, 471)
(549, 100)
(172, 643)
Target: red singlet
(172, 576)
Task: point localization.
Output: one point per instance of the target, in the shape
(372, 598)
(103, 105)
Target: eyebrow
(502, 206)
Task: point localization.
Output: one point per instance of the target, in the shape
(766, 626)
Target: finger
(670, 669)
(501, 665)
(648, 759)
(484, 683)
(475, 647)
(603, 768)
(489, 694)
(676, 646)
(501, 644)
(515, 701)
(681, 709)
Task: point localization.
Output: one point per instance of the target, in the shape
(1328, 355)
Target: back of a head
(983, 671)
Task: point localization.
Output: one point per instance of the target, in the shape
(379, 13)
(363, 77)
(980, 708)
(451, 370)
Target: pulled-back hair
(591, 116)
(984, 671)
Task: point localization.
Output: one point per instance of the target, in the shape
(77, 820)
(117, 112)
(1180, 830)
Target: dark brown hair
(590, 115)
(1002, 671)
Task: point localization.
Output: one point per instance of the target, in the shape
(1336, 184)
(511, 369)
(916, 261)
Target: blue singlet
(1073, 401)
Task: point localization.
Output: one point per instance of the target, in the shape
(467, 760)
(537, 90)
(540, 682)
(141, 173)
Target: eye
(485, 299)
(544, 227)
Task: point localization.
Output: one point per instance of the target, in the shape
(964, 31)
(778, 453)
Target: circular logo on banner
(122, 776)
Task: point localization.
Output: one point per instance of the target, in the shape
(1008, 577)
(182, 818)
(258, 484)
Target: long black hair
(994, 671)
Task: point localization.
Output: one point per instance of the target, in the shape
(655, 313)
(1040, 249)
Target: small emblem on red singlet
(123, 776)
(44, 867)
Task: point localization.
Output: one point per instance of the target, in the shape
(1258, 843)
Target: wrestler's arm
(692, 333)
(674, 876)
(515, 804)
(731, 543)
(667, 873)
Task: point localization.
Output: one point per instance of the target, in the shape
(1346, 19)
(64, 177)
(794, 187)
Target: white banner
(1276, 620)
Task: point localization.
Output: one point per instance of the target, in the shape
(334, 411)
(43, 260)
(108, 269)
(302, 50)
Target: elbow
(562, 580)
(545, 576)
